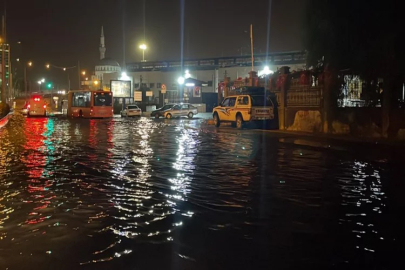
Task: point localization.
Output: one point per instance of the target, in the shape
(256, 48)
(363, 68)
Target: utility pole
(25, 82)
(3, 63)
(78, 74)
(251, 44)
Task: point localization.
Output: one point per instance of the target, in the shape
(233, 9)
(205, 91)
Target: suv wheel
(239, 122)
(190, 115)
(157, 116)
(168, 116)
(217, 122)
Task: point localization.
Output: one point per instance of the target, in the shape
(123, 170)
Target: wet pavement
(179, 194)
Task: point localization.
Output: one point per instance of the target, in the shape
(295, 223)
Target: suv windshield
(102, 99)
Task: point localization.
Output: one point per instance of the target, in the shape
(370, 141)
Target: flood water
(147, 194)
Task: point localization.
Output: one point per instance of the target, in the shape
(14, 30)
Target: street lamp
(83, 72)
(25, 78)
(43, 80)
(143, 48)
(180, 80)
(47, 66)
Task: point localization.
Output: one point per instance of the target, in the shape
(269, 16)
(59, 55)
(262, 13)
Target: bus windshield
(102, 99)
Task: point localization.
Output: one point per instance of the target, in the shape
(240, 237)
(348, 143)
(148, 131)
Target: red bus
(90, 104)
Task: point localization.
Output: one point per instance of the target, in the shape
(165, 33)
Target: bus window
(102, 99)
(81, 99)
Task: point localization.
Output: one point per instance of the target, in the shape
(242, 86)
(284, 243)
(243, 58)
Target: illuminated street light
(48, 66)
(64, 69)
(87, 79)
(30, 64)
(266, 71)
(39, 82)
(143, 48)
(83, 72)
(95, 82)
(43, 80)
(187, 74)
(18, 59)
(181, 80)
(124, 76)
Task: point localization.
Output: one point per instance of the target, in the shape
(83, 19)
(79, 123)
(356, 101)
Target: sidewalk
(347, 138)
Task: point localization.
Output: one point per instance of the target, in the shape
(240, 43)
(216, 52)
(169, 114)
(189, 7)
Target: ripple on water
(102, 191)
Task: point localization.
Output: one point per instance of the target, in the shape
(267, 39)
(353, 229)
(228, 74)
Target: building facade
(210, 72)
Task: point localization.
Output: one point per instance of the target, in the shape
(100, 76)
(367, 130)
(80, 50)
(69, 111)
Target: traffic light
(49, 85)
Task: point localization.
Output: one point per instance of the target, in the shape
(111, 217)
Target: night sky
(63, 32)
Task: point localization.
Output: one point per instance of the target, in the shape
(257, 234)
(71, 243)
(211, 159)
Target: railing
(304, 96)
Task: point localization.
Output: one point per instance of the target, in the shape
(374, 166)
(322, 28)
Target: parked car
(161, 111)
(131, 110)
(179, 110)
(241, 109)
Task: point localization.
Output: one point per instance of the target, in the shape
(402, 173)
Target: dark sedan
(161, 111)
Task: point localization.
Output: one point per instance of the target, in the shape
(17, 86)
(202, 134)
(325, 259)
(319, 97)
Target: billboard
(121, 88)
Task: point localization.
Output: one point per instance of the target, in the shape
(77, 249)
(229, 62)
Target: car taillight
(29, 106)
(91, 108)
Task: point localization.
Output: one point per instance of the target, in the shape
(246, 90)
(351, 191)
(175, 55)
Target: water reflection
(127, 193)
(364, 202)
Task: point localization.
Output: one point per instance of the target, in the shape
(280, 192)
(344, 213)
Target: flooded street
(179, 194)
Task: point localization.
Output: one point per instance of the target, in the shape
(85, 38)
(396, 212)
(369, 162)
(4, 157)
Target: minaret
(102, 44)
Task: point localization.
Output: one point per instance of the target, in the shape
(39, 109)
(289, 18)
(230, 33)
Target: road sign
(163, 91)
(138, 95)
(149, 93)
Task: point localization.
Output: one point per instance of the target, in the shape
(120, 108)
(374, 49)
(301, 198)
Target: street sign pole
(163, 91)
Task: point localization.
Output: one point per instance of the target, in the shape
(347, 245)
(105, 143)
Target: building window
(151, 85)
(209, 83)
(144, 85)
(136, 85)
(159, 85)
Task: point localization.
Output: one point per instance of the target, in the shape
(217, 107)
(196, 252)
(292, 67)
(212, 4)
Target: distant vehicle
(161, 111)
(179, 110)
(90, 104)
(36, 106)
(243, 108)
(24, 110)
(131, 110)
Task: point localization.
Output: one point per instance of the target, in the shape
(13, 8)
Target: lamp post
(180, 82)
(143, 48)
(29, 64)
